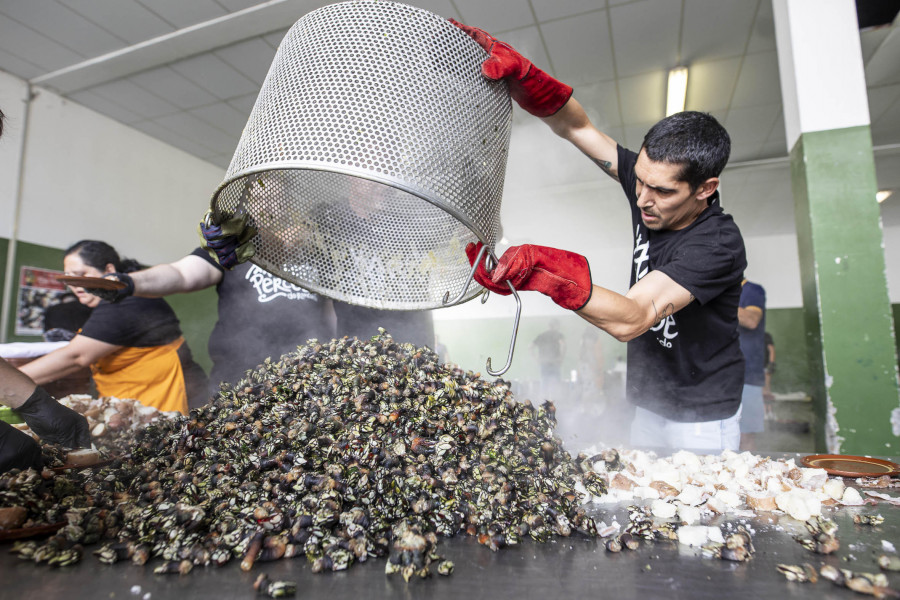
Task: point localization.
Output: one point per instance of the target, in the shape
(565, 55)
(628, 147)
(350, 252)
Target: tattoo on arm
(606, 166)
(667, 311)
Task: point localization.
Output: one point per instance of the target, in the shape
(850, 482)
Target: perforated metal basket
(374, 153)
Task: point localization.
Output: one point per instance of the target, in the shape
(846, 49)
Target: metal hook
(515, 332)
(468, 280)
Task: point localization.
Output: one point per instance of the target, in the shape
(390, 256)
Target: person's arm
(750, 317)
(545, 97)
(188, 274)
(50, 420)
(647, 303)
(566, 278)
(572, 123)
(79, 353)
(15, 386)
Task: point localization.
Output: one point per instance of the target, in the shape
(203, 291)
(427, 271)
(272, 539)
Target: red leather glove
(532, 88)
(562, 275)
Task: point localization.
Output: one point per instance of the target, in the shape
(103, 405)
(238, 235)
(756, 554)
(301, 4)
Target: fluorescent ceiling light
(883, 195)
(677, 90)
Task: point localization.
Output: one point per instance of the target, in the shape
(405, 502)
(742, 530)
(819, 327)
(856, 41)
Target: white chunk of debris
(691, 495)
(645, 493)
(834, 489)
(697, 535)
(728, 498)
(887, 546)
(663, 509)
(728, 483)
(852, 497)
(799, 503)
(688, 514)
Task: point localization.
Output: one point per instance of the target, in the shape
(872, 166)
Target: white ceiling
(187, 71)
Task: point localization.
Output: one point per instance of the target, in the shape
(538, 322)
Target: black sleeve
(205, 256)
(627, 159)
(707, 265)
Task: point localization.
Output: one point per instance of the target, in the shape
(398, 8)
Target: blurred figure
(769, 364)
(550, 348)
(63, 319)
(441, 350)
(134, 347)
(752, 327)
(591, 369)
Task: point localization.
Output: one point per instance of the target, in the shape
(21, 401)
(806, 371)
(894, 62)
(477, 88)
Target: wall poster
(38, 289)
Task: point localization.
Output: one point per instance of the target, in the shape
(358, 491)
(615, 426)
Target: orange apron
(151, 375)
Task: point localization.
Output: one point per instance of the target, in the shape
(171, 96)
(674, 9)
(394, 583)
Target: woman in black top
(134, 347)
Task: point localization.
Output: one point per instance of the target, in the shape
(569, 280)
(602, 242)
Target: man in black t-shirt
(685, 367)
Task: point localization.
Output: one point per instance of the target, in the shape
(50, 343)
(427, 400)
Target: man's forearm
(158, 281)
(15, 386)
(189, 274)
(572, 123)
(620, 316)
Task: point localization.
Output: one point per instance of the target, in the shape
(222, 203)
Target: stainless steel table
(573, 567)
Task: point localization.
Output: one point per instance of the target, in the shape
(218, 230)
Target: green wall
(196, 311)
(791, 357)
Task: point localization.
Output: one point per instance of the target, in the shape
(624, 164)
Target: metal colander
(374, 153)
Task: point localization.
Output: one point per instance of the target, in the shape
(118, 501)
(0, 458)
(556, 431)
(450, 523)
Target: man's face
(664, 201)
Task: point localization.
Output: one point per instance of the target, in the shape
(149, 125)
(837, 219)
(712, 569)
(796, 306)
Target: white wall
(13, 92)
(87, 176)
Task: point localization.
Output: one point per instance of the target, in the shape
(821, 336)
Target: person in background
(752, 327)
(47, 418)
(769, 364)
(441, 350)
(135, 347)
(63, 319)
(550, 348)
(679, 317)
(259, 315)
(591, 365)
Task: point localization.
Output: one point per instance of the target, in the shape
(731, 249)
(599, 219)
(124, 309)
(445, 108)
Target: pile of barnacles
(339, 452)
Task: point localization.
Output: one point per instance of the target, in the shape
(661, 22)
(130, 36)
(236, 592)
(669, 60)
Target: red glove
(560, 274)
(533, 89)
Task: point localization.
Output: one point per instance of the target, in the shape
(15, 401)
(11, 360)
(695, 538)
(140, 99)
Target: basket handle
(512, 342)
(490, 261)
(459, 296)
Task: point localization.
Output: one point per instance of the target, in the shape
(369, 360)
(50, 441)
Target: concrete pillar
(850, 330)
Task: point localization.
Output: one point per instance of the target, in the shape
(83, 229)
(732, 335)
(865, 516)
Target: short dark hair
(694, 140)
(97, 254)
